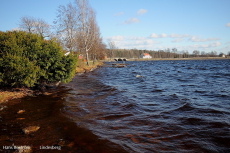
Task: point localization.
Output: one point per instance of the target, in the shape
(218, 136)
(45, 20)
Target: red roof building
(145, 55)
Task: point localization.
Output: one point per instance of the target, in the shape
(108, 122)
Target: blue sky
(202, 25)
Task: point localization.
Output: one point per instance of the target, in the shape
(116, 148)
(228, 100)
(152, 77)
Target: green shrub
(27, 59)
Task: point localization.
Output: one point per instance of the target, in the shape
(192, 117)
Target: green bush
(28, 60)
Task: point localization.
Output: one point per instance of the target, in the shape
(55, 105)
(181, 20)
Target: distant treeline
(167, 53)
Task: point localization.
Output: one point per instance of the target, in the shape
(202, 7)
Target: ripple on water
(177, 106)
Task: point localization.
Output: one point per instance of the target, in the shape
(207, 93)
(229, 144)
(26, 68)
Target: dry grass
(83, 67)
(8, 95)
(12, 93)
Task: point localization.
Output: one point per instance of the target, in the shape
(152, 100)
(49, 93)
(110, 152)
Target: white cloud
(116, 38)
(214, 44)
(153, 35)
(162, 35)
(136, 38)
(141, 11)
(140, 44)
(118, 14)
(173, 35)
(15, 29)
(228, 25)
(198, 39)
(149, 42)
(130, 42)
(130, 21)
(177, 40)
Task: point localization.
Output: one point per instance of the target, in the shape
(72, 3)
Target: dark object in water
(119, 59)
(118, 65)
(124, 59)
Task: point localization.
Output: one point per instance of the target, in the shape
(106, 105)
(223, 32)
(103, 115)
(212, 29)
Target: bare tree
(77, 28)
(196, 53)
(87, 27)
(203, 53)
(66, 25)
(213, 53)
(112, 48)
(97, 51)
(42, 28)
(175, 52)
(98, 47)
(35, 25)
(27, 23)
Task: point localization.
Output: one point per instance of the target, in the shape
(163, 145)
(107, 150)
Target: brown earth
(54, 128)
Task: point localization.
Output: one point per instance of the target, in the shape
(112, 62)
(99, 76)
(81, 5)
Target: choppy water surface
(176, 106)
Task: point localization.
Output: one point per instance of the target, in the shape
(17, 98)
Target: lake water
(155, 106)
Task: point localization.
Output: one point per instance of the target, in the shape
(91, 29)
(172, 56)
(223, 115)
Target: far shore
(161, 59)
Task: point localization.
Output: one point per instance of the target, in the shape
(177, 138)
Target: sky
(187, 25)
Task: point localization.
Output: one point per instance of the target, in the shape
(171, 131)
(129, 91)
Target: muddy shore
(55, 130)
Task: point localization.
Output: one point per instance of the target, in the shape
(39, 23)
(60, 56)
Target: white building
(145, 55)
(222, 55)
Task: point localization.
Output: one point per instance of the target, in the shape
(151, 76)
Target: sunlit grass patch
(83, 67)
(8, 95)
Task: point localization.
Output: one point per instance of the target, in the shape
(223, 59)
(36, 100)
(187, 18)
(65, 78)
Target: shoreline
(55, 132)
(10, 94)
